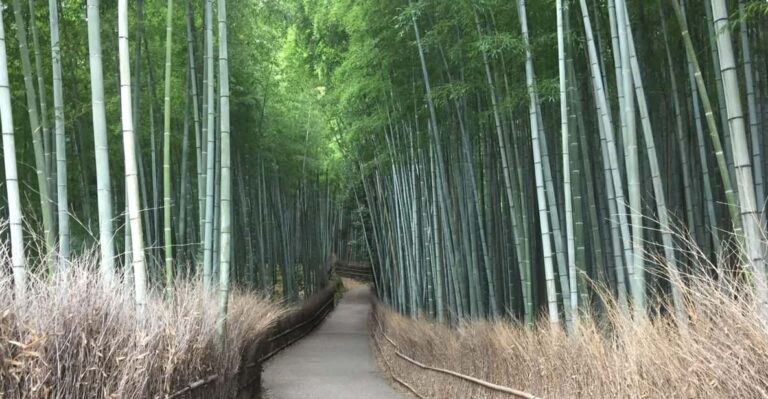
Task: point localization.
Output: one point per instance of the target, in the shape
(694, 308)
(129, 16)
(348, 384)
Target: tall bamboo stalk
(103, 184)
(18, 260)
(745, 183)
(167, 202)
(37, 134)
(754, 133)
(209, 174)
(714, 132)
(564, 134)
(554, 316)
(200, 141)
(61, 140)
(43, 98)
(226, 178)
(129, 153)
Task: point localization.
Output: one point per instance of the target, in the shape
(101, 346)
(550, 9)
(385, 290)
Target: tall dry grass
(720, 352)
(78, 340)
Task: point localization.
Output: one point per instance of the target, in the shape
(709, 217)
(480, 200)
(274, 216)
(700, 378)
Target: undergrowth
(78, 339)
(720, 351)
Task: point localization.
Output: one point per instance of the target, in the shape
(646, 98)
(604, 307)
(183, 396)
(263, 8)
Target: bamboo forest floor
(335, 361)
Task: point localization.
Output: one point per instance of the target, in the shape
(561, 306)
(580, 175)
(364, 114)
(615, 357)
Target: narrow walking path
(333, 362)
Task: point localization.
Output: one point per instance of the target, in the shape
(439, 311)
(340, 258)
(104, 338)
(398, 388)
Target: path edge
(286, 331)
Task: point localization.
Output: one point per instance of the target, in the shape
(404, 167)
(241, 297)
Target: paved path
(334, 361)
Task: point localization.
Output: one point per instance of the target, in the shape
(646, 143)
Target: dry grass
(79, 340)
(722, 352)
(350, 283)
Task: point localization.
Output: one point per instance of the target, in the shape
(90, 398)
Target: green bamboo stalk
(129, 152)
(37, 134)
(754, 133)
(753, 232)
(103, 183)
(167, 202)
(554, 315)
(210, 129)
(226, 179)
(61, 153)
(730, 195)
(564, 134)
(18, 259)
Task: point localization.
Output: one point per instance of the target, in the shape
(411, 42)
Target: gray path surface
(333, 362)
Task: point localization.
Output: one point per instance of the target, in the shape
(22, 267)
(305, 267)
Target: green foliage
(364, 55)
(279, 103)
(755, 8)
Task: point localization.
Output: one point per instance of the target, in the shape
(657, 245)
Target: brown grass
(722, 352)
(79, 340)
(350, 283)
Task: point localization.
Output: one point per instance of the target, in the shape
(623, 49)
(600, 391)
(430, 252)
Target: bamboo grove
(515, 158)
(195, 154)
(491, 159)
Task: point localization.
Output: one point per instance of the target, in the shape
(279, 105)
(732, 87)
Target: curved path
(335, 361)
